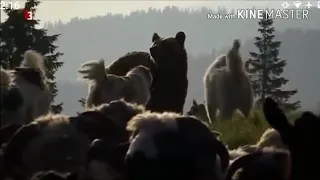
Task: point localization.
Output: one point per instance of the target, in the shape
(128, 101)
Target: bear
(170, 85)
(125, 63)
(168, 65)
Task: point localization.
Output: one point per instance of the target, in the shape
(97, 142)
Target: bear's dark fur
(170, 77)
(124, 64)
(168, 66)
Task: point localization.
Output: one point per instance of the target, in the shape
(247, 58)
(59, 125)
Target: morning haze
(94, 30)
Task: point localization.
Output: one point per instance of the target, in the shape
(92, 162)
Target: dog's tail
(93, 70)
(5, 78)
(236, 45)
(33, 59)
(233, 57)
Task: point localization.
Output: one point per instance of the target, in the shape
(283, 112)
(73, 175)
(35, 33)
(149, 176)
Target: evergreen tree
(19, 35)
(266, 68)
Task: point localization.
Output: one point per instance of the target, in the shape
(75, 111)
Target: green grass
(241, 131)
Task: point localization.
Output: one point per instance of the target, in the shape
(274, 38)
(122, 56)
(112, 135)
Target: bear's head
(170, 51)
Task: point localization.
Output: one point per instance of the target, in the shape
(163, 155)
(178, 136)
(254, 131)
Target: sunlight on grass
(241, 131)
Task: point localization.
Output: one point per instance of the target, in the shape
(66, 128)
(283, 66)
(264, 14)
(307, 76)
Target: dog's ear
(275, 116)
(181, 37)
(155, 37)
(194, 102)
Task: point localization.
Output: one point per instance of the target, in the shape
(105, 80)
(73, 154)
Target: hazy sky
(53, 10)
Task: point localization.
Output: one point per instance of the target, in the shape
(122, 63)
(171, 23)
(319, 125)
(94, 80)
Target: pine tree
(266, 68)
(19, 35)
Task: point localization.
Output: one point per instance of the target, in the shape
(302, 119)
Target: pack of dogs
(134, 128)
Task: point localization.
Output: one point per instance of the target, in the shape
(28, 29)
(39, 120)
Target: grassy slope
(241, 131)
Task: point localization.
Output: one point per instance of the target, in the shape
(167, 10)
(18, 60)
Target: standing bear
(168, 65)
(170, 85)
(227, 86)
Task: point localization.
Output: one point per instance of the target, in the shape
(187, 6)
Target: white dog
(29, 81)
(104, 88)
(227, 86)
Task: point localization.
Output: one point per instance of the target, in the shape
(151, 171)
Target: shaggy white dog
(227, 86)
(104, 88)
(28, 81)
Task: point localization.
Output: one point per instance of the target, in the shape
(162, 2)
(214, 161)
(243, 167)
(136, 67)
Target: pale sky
(53, 10)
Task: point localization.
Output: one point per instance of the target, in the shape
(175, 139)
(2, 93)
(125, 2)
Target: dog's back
(227, 85)
(140, 79)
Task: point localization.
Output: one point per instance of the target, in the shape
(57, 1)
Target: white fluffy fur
(227, 86)
(270, 139)
(141, 80)
(33, 59)
(235, 153)
(36, 100)
(104, 88)
(93, 70)
(148, 124)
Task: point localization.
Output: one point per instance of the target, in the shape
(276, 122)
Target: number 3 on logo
(28, 15)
